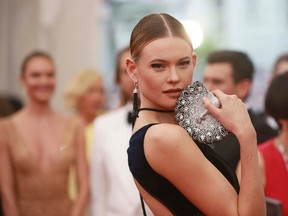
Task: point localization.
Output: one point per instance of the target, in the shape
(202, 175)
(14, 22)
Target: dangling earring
(135, 104)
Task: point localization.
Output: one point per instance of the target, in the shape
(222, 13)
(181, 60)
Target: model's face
(219, 76)
(126, 82)
(39, 79)
(93, 100)
(164, 69)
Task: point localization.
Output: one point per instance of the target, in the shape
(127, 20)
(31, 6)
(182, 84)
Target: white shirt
(113, 191)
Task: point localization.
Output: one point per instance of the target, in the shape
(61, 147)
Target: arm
(251, 200)
(6, 180)
(262, 169)
(81, 173)
(173, 154)
(98, 181)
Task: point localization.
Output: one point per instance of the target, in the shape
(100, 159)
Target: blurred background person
(113, 192)
(280, 65)
(273, 155)
(85, 95)
(122, 79)
(232, 72)
(37, 147)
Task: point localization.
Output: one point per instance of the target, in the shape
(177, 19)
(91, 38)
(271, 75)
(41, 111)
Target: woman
(122, 79)
(274, 152)
(37, 147)
(85, 94)
(171, 171)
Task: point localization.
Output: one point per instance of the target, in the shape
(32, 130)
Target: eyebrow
(161, 60)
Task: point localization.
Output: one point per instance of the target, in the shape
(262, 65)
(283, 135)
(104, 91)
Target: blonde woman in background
(85, 95)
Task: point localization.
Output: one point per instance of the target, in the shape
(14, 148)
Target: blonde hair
(79, 84)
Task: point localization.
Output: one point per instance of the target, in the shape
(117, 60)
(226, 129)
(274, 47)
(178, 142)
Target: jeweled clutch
(192, 115)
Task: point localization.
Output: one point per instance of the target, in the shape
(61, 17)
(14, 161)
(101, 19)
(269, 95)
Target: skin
(281, 68)
(161, 76)
(126, 83)
(220, 76)
(91, 102)
(39, 82)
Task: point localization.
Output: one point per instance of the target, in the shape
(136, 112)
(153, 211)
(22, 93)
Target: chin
(43, 98)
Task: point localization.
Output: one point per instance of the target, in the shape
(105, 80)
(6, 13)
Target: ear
(243, 88)
(131, 69)
(194, 60)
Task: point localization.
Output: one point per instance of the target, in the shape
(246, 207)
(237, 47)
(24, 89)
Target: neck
(283, 138)
(38, 108)
(156, 110)
(88, 119)
(158, 115)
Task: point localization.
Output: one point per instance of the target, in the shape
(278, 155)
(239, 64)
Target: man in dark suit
(232, 72)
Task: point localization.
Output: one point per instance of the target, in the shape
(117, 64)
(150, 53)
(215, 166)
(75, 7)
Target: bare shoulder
(168, 142)
(7, 122)
(165, 135)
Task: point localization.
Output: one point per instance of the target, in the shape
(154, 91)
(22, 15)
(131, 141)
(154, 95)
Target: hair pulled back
(152, 27)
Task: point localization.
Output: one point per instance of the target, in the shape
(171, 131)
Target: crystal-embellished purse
(192, 115)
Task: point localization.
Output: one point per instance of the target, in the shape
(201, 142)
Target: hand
(232, 114)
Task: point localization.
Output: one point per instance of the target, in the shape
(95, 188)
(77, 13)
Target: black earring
(135, 104)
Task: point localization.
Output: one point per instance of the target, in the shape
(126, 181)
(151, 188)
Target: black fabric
(262, 128)
(229, 148)
(161, 188)
(1, 210)
(129, 117)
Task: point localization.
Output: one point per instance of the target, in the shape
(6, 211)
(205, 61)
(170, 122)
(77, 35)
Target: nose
(173, 75)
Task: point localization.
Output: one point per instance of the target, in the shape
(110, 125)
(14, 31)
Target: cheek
(52, 82)
(85, 100)
(187, 78)
(151, 86)
(83, 103)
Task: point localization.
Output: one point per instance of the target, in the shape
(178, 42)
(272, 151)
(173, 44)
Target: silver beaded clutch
(192, 115)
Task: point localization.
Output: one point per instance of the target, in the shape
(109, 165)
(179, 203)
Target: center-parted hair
(152, 27)
(240, 62)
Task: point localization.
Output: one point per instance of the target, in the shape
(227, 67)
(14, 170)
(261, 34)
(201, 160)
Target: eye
(157, 66)
(184, 64)
(51, 74)
(35, 74)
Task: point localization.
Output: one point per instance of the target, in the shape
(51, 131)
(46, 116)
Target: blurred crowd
(54, 163)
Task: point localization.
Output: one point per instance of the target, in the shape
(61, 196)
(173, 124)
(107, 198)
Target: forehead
(282, 67)
(167, 48)
(218, 70)
(39, 63)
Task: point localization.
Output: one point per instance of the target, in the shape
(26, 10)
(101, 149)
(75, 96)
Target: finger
(212, 109)
(219, 94)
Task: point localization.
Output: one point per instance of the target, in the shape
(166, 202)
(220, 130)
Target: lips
(173, 92)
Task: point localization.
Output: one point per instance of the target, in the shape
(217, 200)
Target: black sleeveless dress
(158, 186)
